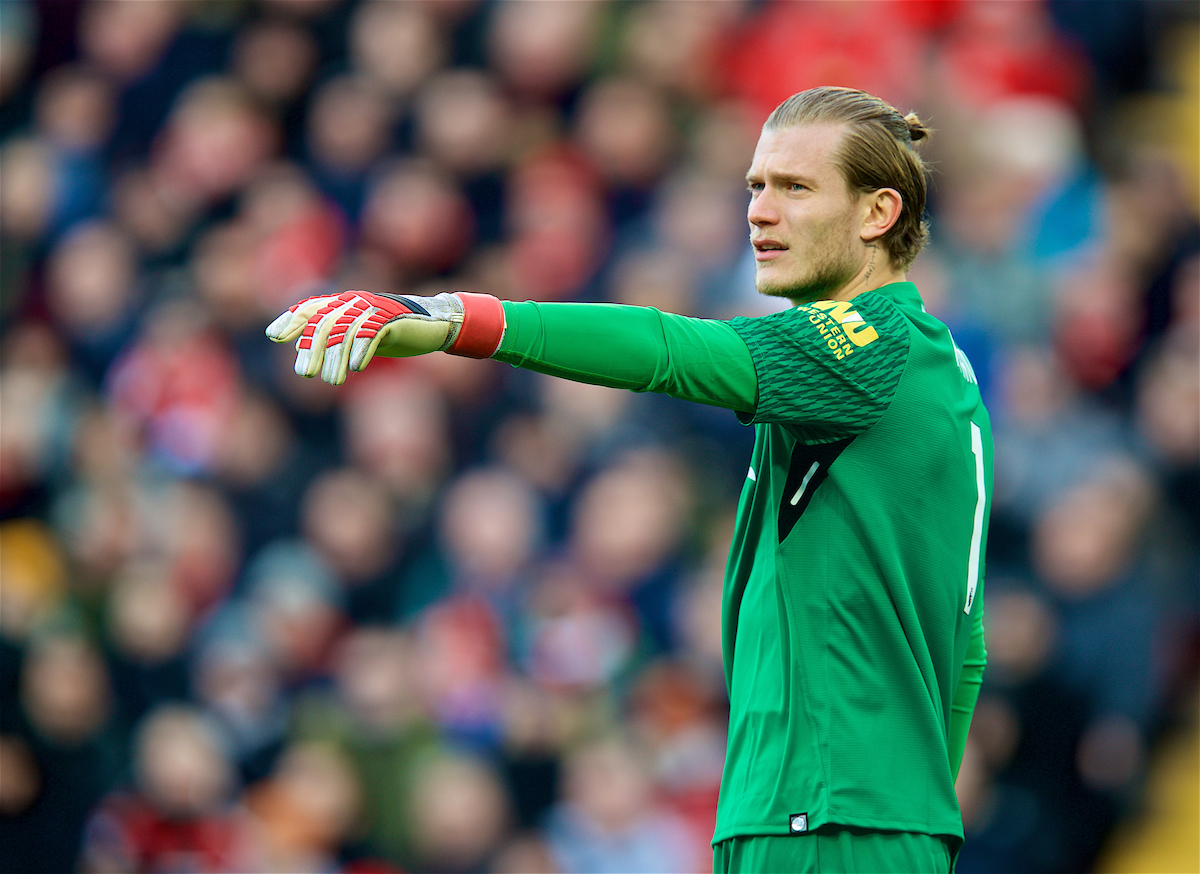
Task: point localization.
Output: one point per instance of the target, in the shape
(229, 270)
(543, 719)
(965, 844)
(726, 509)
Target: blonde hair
(876, 152)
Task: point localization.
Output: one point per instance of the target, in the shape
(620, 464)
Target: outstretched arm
(636, 348)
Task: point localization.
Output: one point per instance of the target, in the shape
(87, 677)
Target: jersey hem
(776, 829)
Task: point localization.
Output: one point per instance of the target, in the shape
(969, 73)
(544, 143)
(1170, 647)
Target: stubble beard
(830, 268)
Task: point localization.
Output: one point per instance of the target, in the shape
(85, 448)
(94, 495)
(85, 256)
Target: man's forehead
(808, 148)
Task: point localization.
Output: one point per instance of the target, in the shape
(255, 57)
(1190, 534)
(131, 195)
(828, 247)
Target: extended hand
(339, 332)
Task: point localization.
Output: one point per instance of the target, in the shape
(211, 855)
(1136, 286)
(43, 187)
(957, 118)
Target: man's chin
(814, 288)
(770, 283)
(796, 293)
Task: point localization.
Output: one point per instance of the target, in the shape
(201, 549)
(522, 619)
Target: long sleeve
(967, 693)
(635, 348)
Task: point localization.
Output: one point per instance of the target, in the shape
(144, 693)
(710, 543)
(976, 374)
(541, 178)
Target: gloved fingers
(288, 325)
(310, 348)
(339, 346)
(280, 330)
(337, 332)
(363, 349)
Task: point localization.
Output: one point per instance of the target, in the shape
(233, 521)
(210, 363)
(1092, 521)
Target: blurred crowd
(458, 617)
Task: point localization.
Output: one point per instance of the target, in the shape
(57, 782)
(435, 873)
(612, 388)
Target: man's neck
(879, 280)
(876, 271)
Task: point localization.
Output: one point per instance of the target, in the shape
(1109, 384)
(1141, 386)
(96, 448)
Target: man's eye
(796, 186)
(754, 186)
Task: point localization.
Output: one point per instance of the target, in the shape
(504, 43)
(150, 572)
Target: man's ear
(883, 207)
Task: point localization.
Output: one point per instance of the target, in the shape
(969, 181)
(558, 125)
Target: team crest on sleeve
(843, 329)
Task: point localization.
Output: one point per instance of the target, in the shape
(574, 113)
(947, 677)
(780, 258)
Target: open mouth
(767, 250)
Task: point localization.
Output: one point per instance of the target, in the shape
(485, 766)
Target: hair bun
(917, 130)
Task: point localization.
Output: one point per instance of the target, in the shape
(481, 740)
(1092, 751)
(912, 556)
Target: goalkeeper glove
(341, 332)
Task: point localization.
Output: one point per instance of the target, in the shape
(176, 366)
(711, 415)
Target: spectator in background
(465, 122)
(67, 735)
(127, 38)
(1168, 398)
(306, 811)
(625, 130)
(213, 143)
(17, 38)
(180, 816)
(93, 294)
(257, 446)
(350, 522)
(397, 45)
(543, 50)
(296, 610)
(460, 813)
(26, 211)
(75, 111)
(375, 713)
(349, 130)
(557, 233)
(238, 678)
(491, 530)
(40, 401)
(149, 620)
(626, 538)
(609, 821)
(275, 59)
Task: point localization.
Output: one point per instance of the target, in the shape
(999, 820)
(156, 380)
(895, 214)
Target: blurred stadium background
(454, 617)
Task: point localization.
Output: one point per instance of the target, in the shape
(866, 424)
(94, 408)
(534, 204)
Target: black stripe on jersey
(809, 467)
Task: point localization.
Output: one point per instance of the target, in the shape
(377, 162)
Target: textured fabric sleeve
(828, 369)
(967, 693)
(636, 348)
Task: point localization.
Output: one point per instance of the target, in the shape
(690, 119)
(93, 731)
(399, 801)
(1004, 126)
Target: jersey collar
(903, 294)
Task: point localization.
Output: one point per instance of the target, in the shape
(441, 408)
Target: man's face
(805, 222)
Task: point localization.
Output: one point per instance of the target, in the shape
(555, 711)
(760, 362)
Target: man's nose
(762, 210)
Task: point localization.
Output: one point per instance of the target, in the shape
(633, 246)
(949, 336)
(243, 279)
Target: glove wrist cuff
(482, 326)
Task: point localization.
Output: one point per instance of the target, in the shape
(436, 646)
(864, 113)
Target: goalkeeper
(852, 606)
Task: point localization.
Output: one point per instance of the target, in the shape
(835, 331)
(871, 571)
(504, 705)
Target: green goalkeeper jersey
(855, 576)
(853, 594)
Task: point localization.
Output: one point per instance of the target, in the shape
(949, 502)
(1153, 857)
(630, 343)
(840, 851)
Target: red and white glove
(341, 332)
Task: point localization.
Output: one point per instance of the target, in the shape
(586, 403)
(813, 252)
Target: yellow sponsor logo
(843, 328)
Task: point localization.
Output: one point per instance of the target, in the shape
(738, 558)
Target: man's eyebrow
(780, 177)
